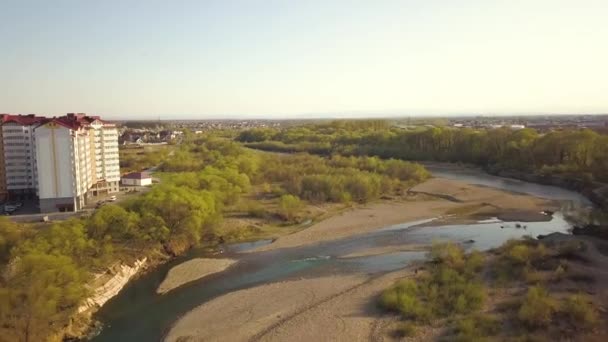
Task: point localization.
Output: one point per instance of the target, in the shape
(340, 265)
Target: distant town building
(137, 179)
(62, 161)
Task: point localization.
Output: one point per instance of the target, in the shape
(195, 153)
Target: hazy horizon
(297, 60)
(330, 116)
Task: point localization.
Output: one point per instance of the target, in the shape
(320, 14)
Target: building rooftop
(25, 120)
(70, 120)
(137, 175)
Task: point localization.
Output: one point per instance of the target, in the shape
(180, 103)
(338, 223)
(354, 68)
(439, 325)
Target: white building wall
(55, 162)
(145, 182)
(109, 151)
(129, 181)
(137, 182)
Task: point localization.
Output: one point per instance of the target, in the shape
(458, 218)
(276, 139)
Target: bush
(537, 308)
(403, 298)
(517, 259)
(255, 209)
(476, 328)
(448, 254)
(519, 254)
(452, 287)
(474, 263)
(531, 275)
(581, 311)
(560, 273)
(289, 206)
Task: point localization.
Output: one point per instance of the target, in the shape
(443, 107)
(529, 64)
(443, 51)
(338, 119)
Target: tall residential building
(77, 157)
(62, 161)
(19, 174)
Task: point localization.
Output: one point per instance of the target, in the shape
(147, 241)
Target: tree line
(580, 153)
(341, 179)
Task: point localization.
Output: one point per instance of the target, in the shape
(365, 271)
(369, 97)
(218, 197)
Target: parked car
(112, 198)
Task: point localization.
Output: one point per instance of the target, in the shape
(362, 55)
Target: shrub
(255, 209)
(580, 310)
(537, 308)
(517, 259)
(448, 254)
(445, 291)
(531, 275)
(289, 206)
(560, 273)
(519, 254)
(474, 263)
(476, 327)
(405, 298)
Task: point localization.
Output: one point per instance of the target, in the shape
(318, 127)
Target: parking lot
(19, 207)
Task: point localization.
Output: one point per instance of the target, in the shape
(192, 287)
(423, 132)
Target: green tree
(183, 211)
(289, 206)
(41, 295)
(10, 235)
(114, 222)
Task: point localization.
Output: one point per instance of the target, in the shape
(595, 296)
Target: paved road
(52, 216)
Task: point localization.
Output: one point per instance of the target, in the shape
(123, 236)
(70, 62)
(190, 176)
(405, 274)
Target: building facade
(137, 179)
(77, 159)
(62, 161)
(19, 173)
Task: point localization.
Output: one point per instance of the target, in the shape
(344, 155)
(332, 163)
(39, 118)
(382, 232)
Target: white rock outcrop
(111, 287)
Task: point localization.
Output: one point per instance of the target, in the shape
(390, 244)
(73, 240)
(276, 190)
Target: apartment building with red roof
(62, 161)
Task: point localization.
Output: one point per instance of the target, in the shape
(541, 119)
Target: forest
(580, 153)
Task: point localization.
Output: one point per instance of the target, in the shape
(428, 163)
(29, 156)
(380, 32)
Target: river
(138, 313)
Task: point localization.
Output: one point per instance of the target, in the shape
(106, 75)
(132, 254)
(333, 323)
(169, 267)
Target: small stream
(139, 314)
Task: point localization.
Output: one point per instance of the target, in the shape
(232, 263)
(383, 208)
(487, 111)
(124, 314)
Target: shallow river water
(139, 314)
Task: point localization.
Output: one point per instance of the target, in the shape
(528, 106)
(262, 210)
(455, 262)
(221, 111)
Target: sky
(137, 59)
